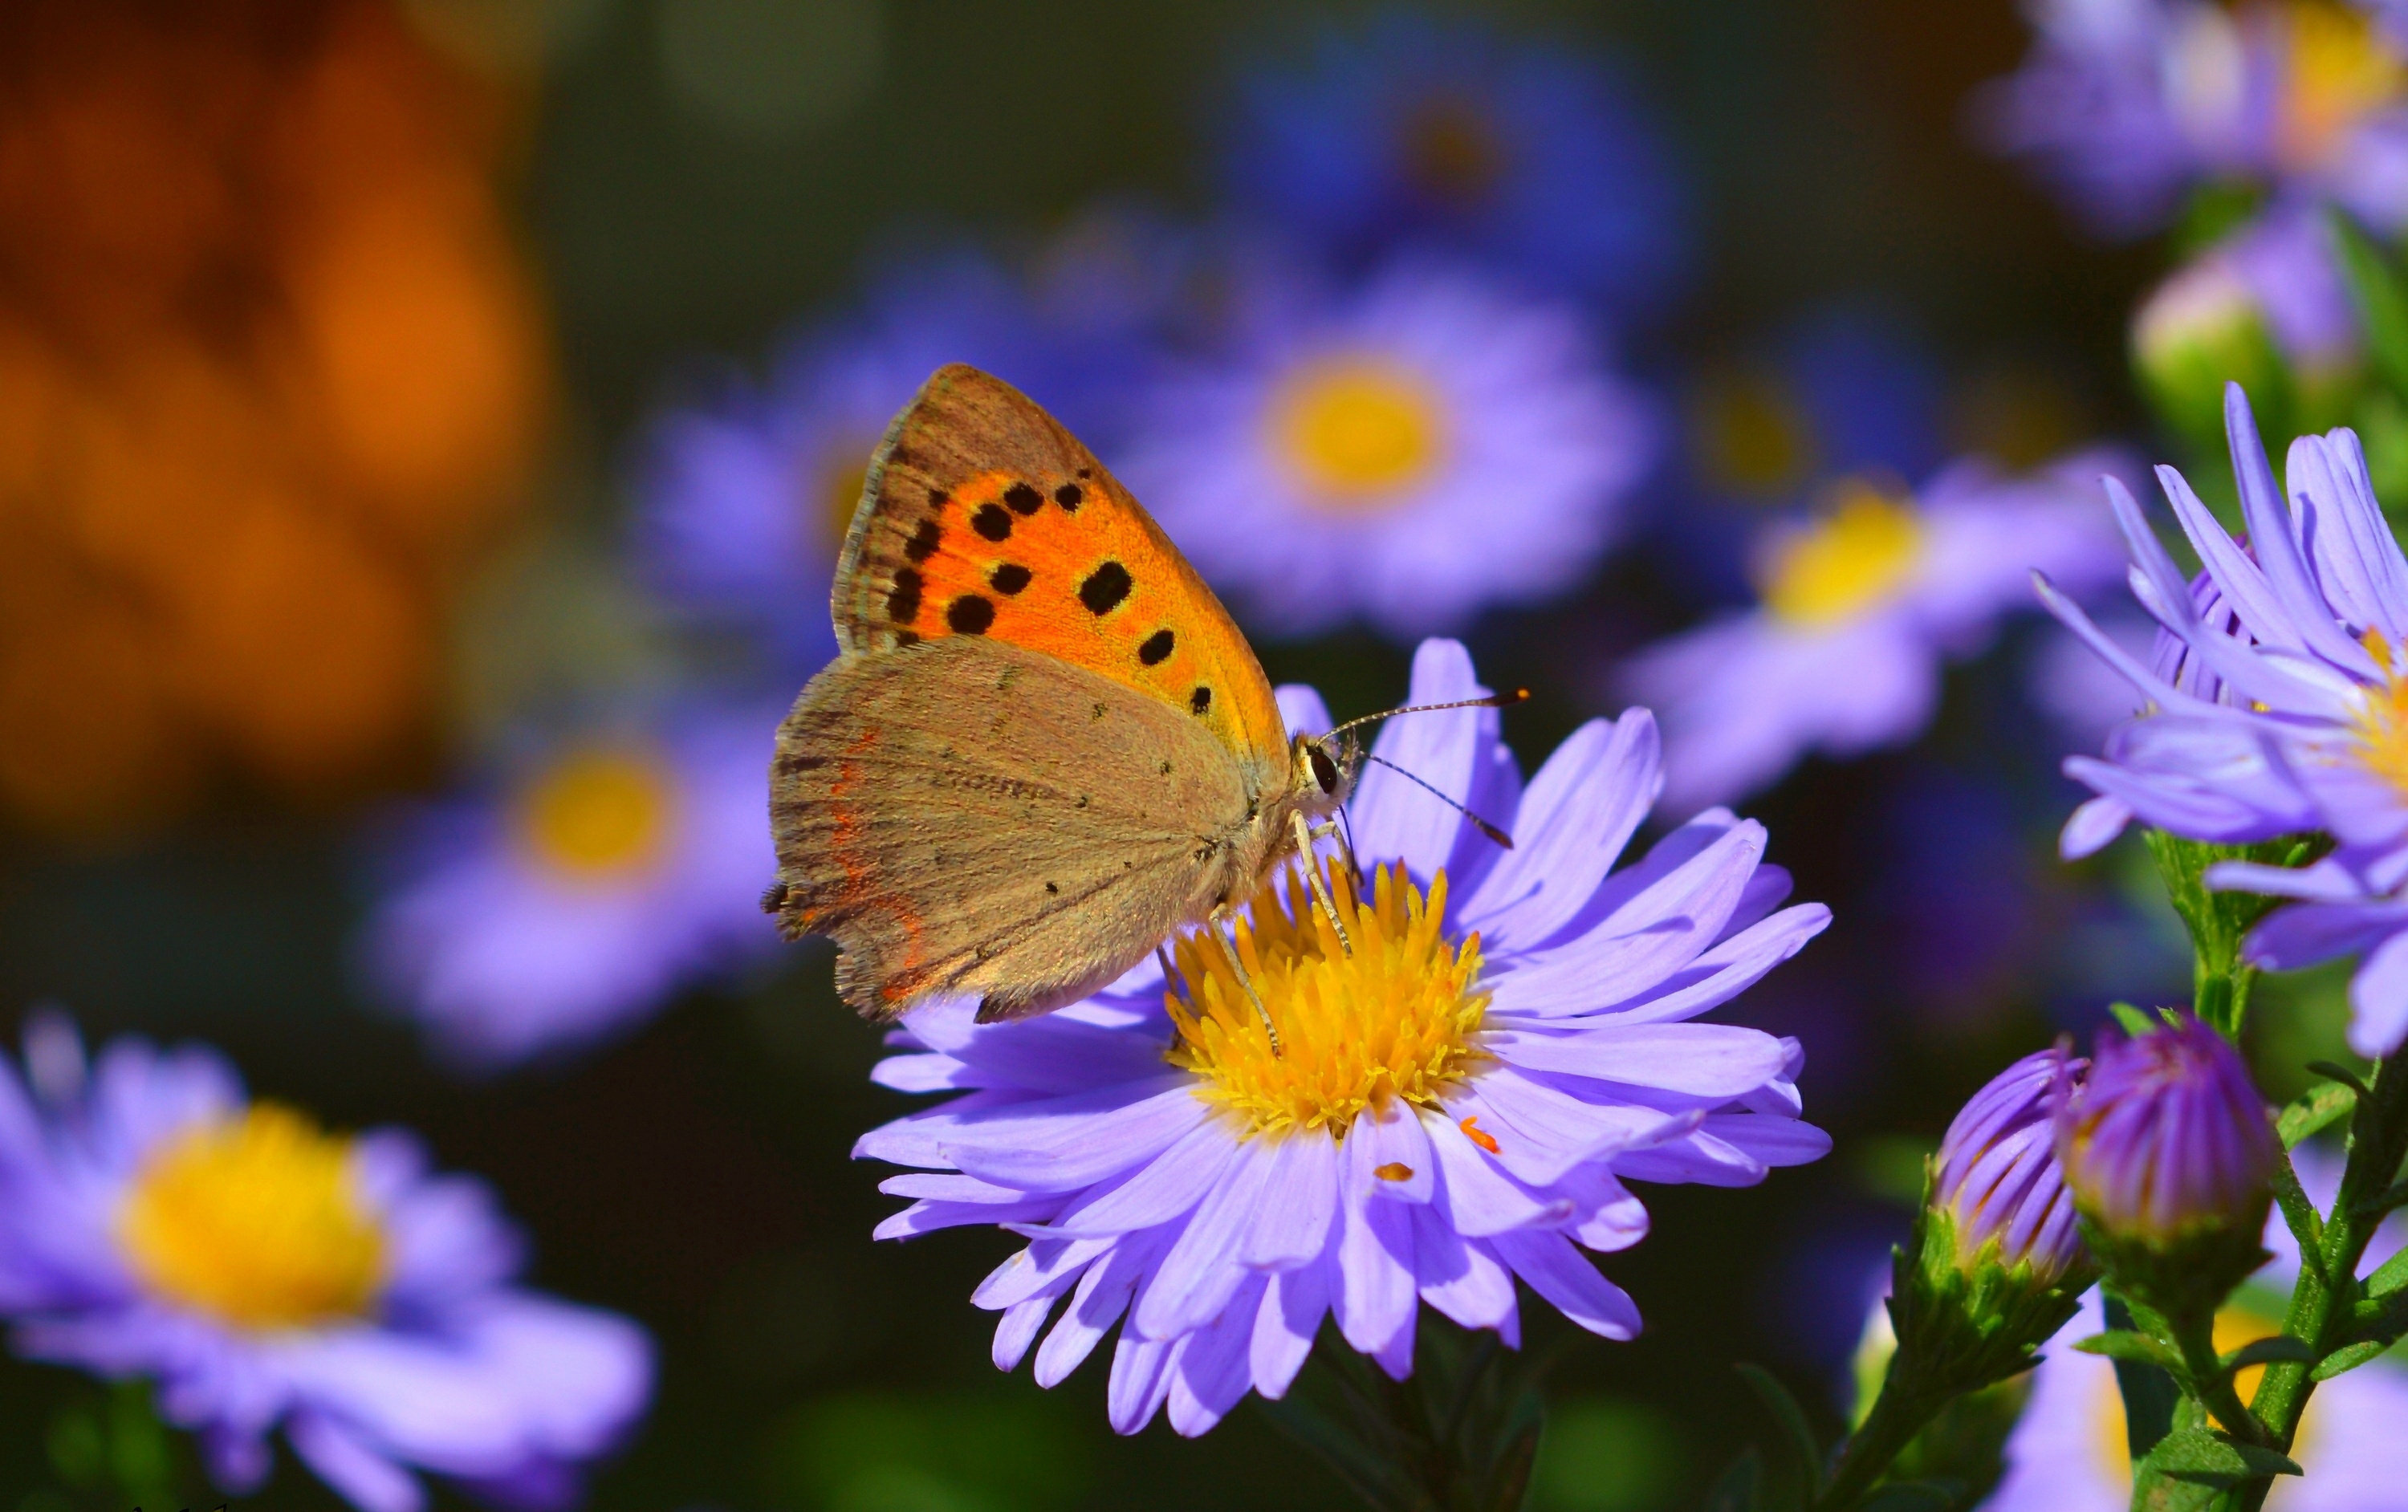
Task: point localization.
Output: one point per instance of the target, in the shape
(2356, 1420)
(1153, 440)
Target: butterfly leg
(1320, 885)
(1219, 920)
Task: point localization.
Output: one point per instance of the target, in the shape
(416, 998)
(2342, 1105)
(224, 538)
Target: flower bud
(1998, 1178)
(2200, 328)
(2170, 1155)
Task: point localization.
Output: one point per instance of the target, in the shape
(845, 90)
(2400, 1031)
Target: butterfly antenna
(1477, 823)
(1492, 701)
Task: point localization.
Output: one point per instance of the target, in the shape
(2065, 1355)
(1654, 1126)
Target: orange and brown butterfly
(1043, 744)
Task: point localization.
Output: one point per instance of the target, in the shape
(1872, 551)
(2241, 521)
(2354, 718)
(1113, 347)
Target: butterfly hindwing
(983, 516)
(970, 818)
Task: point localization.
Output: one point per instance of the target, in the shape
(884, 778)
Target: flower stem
(1902, 1410)
(2378, 1139)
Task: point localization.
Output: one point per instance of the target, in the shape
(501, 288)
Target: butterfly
(1043, 744)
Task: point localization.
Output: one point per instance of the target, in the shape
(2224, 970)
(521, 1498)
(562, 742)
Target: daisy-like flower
(1408, 453)
(1454, 1104)
(1524, 156)
(742, 500)
(2278, 704)
(2128, 104)
(1857, 610)
(269, 1275)
(2069, 1454)
(564, 905)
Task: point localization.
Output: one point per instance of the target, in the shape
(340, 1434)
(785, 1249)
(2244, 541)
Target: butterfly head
(1322, 767)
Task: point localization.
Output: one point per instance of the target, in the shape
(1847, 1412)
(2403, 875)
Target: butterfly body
(1043, 744)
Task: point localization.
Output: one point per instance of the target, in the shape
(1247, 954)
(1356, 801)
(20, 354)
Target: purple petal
(1562, 1275)
(1463, 1278)
(2093, 825)
(1171, 1184)
(1017, 1329)
(345, 1459)
(1580, 811)
(1140, 1380)
(1477, 1197)
(1383, 1139)
(1699, 1060)
(1212, 1372)
(1298, 1203)
(1394, 819)
(1286, 1326)
(1195, 1280)
(2378, 999)
(1059, 1144)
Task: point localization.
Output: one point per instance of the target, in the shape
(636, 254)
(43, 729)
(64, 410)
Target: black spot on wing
(1024, 499)
(1156, 648)
(1011, 577)
(969, 614)
(938, 498)
(1105, 588)
(1201, 700)
(991, 523)
(922, 544)
(1070, 496)
(903, 601)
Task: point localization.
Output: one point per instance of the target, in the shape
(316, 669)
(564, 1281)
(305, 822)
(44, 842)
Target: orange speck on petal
(1393, 1171)
(1477, 1135)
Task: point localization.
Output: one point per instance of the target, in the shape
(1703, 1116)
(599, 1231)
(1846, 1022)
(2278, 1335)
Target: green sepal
(1798, 1470)
(2186, 1275)
(2347, 1358)
(2205, 1457)
(2137, 1347)
(2133, 1021)
(2316, 1110)
(2219, 921)
(2281, 1348)
(2390, 1277)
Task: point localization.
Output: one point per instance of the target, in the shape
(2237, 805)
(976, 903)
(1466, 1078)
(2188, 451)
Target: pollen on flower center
(1358, 433)
(2382, 716)
(1852, 558)
(597, 813)
(1395, 1019)
(256, 1221)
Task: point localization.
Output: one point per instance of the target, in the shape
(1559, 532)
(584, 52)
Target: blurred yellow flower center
(1452, 152)
(1855, 556)
(1395, 1019)
(256, 1221)
(840, 489)
(2382, 716)
(2337, 71)
(599, 814)
(1357, 433)
(2234, 1327)
(1751, 435)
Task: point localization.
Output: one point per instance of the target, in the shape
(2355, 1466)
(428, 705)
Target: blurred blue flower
(566, 905)
(1857, 610)
(1455, 1104)
(742, 499)
(1527, 156)
(2278, 705)
(267, 1274)
(2128, 105)
(2068, 1451)
(1410, 452)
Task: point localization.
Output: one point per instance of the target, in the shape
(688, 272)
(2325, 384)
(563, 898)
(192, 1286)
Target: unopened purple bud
(1998, 1175)
(2169, 1138)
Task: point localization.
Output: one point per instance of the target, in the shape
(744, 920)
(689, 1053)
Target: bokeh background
(346, 348)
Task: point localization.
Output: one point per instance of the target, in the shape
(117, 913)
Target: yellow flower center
(255, 1222)
(1358, 433)
(599, 814)
(1393, 1019)
(2337, 71)
(2383, 716)
(1751, 435)
(2234, 1327)
(1452, 152)
(1858, 554)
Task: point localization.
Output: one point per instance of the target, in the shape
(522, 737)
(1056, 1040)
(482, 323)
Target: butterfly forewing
(983, 516)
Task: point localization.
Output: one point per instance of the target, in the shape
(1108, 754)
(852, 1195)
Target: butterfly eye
(1324, 771)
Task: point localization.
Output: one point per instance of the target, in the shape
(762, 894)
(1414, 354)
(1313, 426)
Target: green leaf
(1803, 1447)
(2347, 1358)
(2334, 1071)
(2205, 1458)
(1735, 1490)
(2135, 1347)
(2317, 1109)
(2133, 1021)
(2390, 1277)
(2393, 1196)
(2376, 289)
(2282, 1347)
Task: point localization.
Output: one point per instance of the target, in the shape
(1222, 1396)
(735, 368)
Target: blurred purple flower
(1527, 157)
(1858, 610)
(1410, 453)
(269, 1276)
(567, 905)
(2280, 700)
(1998, 1174)
(1457, 1102)
(2168, 1136)
(742, 499)
(2127, 105)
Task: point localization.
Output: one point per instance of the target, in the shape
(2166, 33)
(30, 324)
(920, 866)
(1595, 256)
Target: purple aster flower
(1857, 611)
(2127, 105)
(2068, 1451)
(2279, 705)
(567, 903)
(1998, 1177)
(272, 1277)
(1410, 453)
(1456, 1104)
(742, 500)
(1527, 157)
(2167, 1137)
